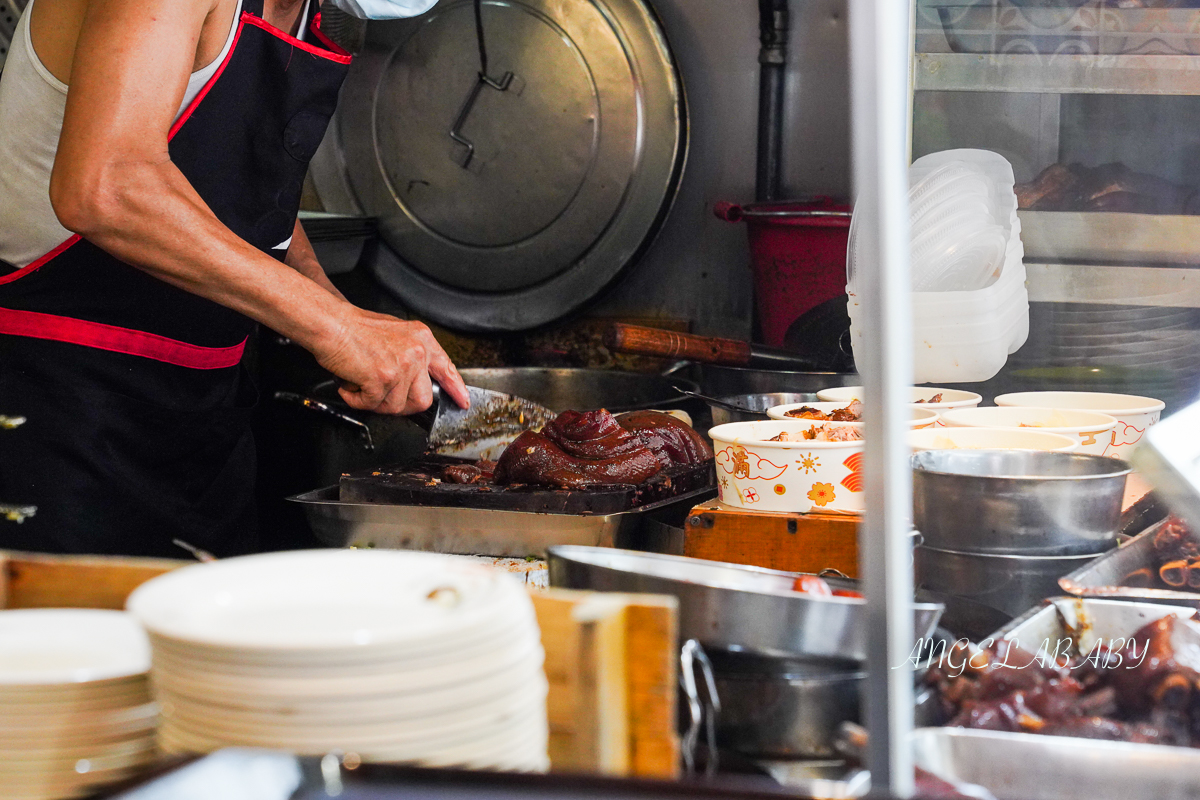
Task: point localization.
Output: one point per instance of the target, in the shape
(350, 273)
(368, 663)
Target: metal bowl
(719, 381)
(1017, 502)
(775, 708)
(1009, 583)
(758, 405)
(733, 606)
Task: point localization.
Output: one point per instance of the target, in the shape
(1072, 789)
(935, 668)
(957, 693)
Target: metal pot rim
(1017, 556)
(1121, 468)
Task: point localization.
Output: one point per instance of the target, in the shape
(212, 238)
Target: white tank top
(32, 101)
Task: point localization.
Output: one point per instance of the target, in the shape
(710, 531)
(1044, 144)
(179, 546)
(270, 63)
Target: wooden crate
(792, 542)
(610, 658)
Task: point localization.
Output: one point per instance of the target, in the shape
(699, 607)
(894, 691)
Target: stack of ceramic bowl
(1132, 414)
(75, 708)
(1000, 527)
(1090, 431)
(392, 655)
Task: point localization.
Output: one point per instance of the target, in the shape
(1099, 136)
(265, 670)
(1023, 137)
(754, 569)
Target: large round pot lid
(507, 203)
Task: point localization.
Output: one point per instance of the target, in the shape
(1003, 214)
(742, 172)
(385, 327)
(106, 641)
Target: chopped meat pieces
(851, 413)
(1146, 690)
(824, 433)
(937, 398)
(1176, 562)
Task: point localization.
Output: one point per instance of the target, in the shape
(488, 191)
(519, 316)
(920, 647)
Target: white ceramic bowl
(1135, 414)
(951, 398)
(990, 439)
(1091, 430)
(805, 477)
(921, 417)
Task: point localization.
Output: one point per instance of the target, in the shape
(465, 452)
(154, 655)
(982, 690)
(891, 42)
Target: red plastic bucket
(798, 251)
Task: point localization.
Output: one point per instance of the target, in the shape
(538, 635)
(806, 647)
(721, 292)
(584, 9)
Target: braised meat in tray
(581, 462)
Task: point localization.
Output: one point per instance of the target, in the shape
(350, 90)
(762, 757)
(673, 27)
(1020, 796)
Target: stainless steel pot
(1017, 502)
(733, 606)
(757, 403)
(775, 708)
(1009, 583)
(719, 381)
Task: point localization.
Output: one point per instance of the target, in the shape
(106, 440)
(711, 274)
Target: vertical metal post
(879, 65)
(774, 23)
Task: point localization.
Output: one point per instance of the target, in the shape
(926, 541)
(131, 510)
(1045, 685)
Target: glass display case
(1096, 103)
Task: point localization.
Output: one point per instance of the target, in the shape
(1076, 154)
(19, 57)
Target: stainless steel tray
(1082, 622)
(1102, 577)
(1025, 766)
(475, 531)
(734, 606)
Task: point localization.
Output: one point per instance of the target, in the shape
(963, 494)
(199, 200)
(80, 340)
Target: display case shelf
(1110, 238)
(1101, 284)
(1058, 73)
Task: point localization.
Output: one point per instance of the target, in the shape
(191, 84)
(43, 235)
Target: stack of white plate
(391, 655)
(75, 708)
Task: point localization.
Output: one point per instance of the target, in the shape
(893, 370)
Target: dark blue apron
(136, 402)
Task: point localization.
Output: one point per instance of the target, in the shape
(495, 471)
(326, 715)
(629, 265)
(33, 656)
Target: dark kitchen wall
(698, 269)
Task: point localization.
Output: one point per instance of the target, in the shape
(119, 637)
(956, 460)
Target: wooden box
(791, 542)
(610, 658)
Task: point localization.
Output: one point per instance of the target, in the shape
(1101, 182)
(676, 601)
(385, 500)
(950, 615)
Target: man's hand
(387, 364)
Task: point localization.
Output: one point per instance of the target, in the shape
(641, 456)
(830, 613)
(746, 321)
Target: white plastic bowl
(990, 439)
(1135, 414)
(804, 477)
(1091, 430)
(922, 417)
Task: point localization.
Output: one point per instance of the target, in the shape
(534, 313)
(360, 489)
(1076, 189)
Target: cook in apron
(136, 404)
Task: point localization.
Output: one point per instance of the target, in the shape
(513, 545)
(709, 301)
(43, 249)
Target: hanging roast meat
(1108, 187)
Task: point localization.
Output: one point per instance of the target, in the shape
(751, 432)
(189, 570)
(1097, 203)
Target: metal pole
(774, 23)
(879, 64)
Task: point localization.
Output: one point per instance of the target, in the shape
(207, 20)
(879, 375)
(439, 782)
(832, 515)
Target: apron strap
(254, 7)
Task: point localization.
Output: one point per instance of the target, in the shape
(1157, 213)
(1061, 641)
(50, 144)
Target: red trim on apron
(110, 337)
(34, 265)
(315, 30)
(192, 106)
(117, 340)
(339, 55)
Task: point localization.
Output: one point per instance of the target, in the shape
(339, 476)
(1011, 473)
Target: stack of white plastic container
(970, 305)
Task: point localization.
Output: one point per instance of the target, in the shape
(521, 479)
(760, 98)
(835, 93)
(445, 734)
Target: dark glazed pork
(667, 437)
(594, 448)
(535, 459)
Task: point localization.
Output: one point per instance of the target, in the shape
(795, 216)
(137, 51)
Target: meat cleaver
(485, 429)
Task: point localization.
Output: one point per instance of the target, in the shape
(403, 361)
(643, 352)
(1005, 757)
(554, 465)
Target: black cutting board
(421, 484)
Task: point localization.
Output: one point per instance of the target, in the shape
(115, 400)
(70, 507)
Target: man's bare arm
(114, 183)
(300, 257)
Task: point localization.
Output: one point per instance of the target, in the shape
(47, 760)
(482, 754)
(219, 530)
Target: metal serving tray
(476, 531)
(1023, 766)
(1083, 622)
(1102, 577)
(1026, 766)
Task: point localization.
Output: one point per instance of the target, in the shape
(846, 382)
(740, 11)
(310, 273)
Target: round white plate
(325, 599)
(178, 674)
(55, 646)
(221, 695)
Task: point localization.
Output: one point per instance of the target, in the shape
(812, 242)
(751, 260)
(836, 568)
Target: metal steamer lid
(508, 200)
